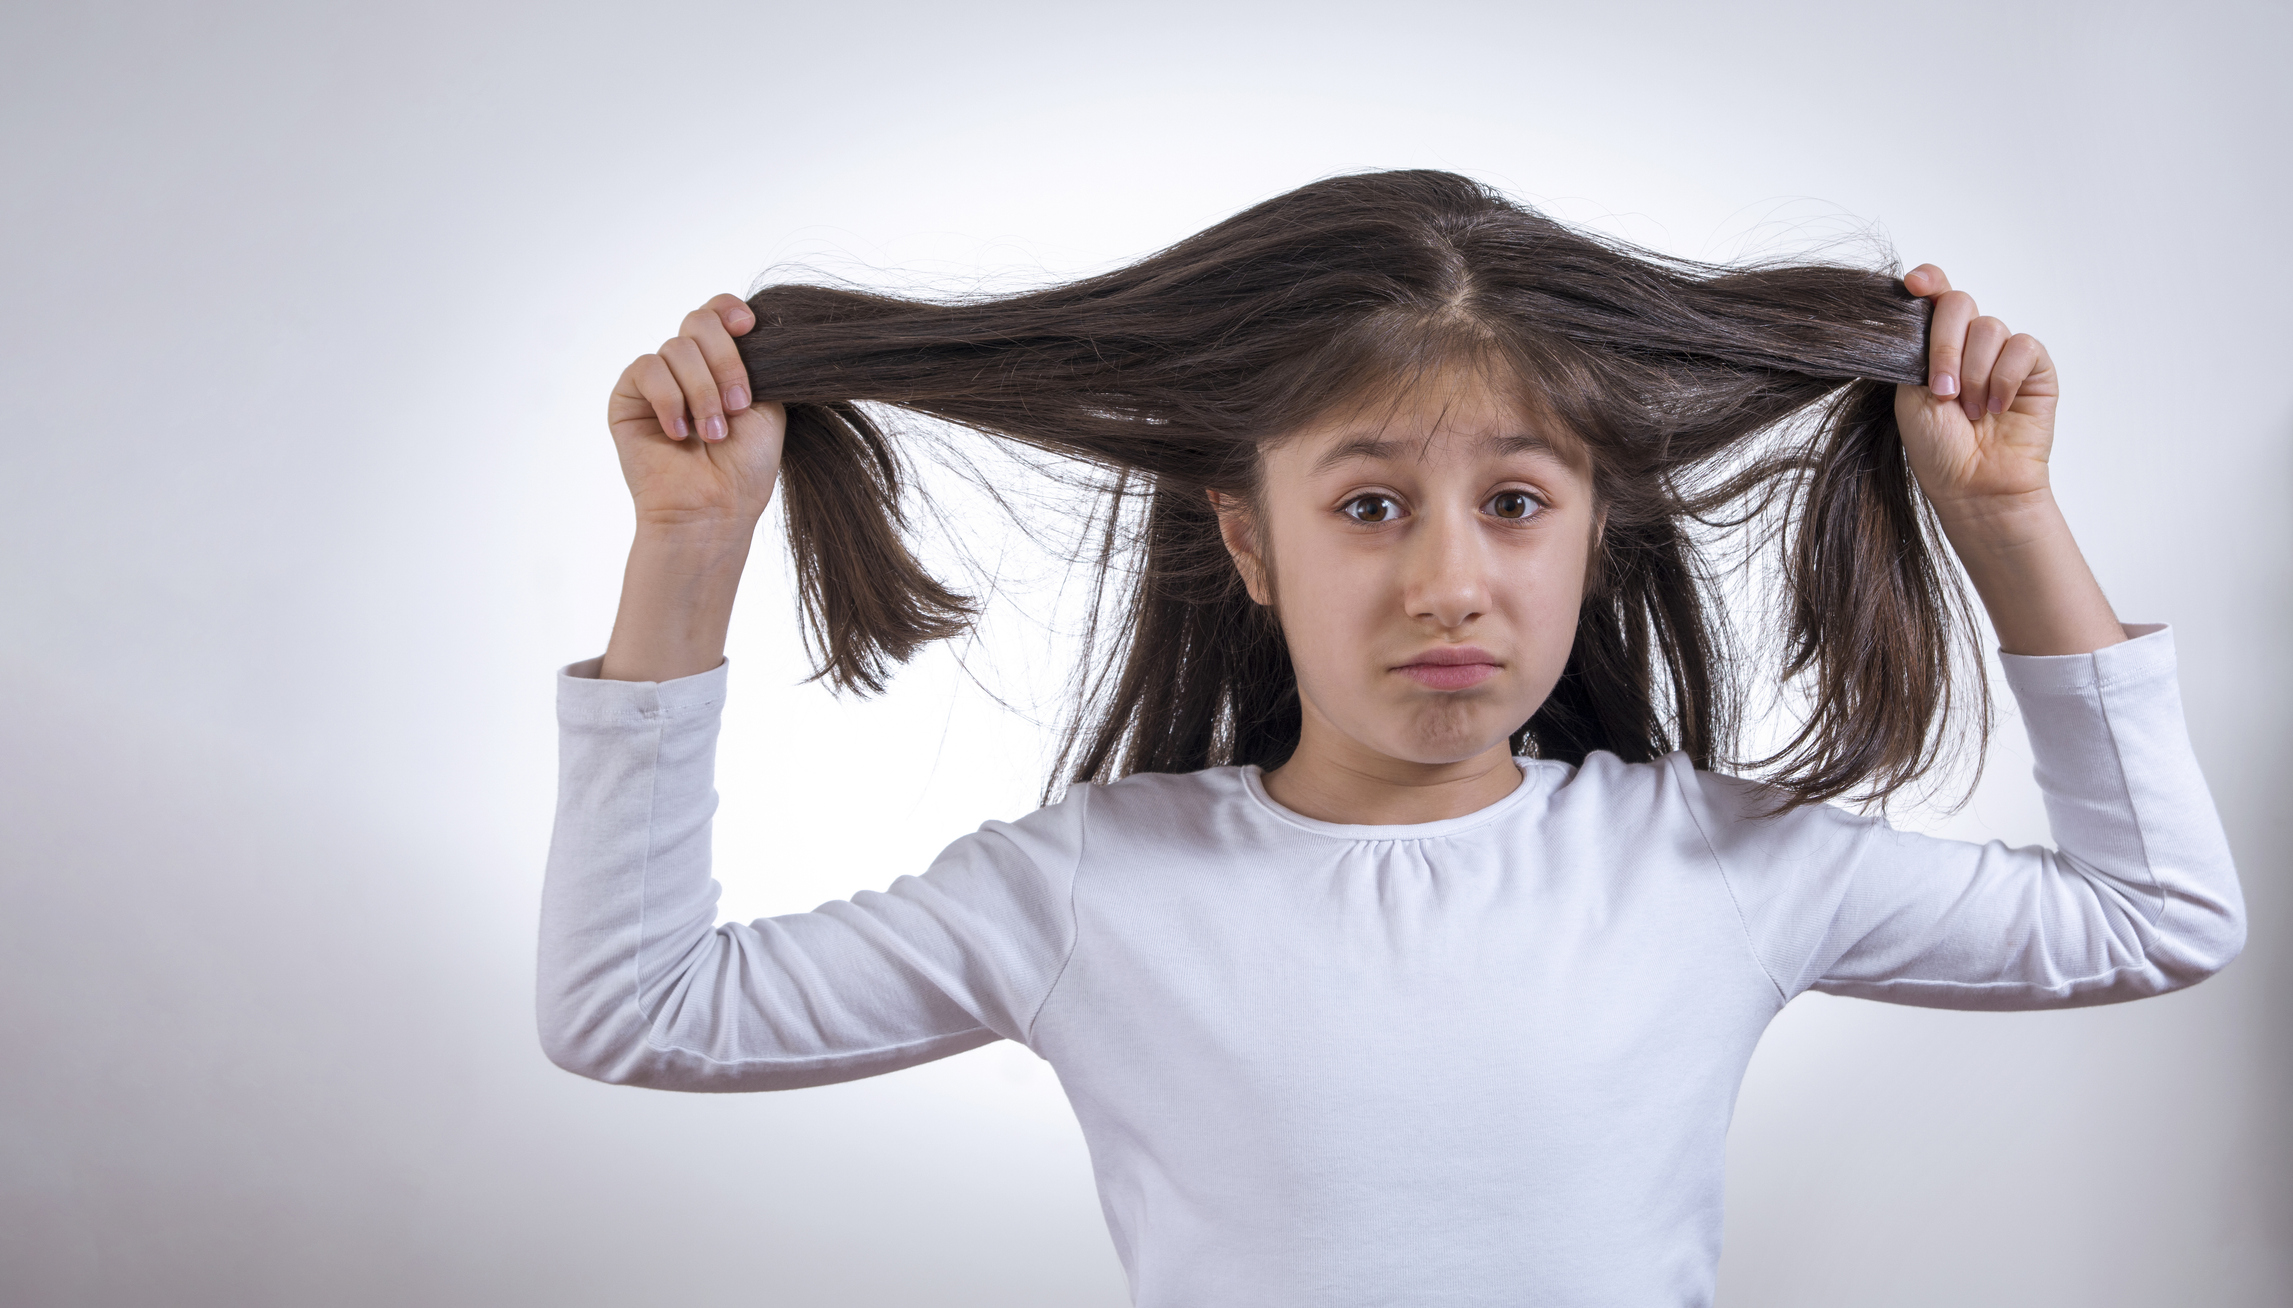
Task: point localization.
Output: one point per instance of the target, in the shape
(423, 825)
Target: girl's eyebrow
(1371, 447)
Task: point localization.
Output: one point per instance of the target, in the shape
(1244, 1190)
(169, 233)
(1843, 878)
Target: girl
(1398, 939)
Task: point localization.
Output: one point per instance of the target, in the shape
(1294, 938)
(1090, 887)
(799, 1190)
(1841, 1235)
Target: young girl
(1398, 940)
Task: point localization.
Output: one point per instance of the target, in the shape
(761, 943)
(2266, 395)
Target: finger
(705, 326)
(2017, 360)
(683, 355)
(732, 311)
(651, 376)
(1985, 338)
(1926, 281)
(1946, 340)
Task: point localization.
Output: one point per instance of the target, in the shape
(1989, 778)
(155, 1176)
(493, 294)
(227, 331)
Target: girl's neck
(1346, 782)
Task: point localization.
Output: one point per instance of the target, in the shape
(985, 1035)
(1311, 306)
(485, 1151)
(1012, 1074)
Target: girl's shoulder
(1143, 805)
(1731, 812)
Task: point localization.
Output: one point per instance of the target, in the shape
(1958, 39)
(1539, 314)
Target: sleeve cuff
(2147, 651)
(584, 700)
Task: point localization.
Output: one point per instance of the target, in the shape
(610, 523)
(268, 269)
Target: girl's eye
(1371, 508)
(1513, 504)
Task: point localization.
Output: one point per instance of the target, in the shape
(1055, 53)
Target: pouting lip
(1449, 656)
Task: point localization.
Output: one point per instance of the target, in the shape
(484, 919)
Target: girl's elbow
(579, 1049)
(2226, 940)
(2208, 937)
(588, 1035)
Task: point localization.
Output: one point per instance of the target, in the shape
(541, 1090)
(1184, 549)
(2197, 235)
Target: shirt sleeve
(2137, 896)
(639, 984)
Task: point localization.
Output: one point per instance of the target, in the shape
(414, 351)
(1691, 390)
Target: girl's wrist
(2001, 523)
(676, 602)
(695, 532)
(2027, 567)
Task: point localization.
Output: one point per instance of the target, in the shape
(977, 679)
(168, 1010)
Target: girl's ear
(1239, 529)
(1596, 559)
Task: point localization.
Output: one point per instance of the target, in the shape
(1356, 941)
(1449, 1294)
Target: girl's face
(1426, 559)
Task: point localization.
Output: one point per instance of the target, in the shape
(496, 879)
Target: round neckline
(1253, 781)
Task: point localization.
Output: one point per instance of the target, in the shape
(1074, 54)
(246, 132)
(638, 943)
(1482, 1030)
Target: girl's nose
(1447, 575)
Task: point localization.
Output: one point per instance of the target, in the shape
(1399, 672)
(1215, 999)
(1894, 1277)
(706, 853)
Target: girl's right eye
(1371, 508)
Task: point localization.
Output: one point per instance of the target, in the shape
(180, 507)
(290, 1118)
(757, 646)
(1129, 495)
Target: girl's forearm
(2032, 578)
(676, 601)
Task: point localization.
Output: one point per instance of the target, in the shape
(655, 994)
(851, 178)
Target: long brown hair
(1709, 396)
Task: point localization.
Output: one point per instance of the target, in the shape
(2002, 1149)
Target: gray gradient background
(310, 314)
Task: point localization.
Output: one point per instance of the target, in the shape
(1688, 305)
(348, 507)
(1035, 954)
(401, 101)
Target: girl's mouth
(1450, 667)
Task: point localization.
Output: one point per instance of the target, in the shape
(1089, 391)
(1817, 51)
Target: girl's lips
(1450, 669)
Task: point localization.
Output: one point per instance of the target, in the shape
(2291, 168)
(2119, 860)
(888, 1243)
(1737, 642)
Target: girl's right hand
(695, 449)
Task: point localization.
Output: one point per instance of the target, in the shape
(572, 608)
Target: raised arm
(2138, 894)
(638, 983)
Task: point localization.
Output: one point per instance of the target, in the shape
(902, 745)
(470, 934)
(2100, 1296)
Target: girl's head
(1415, 336)
(1424, 550)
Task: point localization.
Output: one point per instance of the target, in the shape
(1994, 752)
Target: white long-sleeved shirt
(1486, 1060)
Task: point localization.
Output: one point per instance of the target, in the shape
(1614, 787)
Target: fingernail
(736, 398)
(712, 428)
(1973, 410)
(677, 427)
(1944, 385)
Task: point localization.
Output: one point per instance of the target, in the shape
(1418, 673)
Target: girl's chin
(1439, 744)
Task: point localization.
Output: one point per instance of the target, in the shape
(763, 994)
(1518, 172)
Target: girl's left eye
(1513, 504)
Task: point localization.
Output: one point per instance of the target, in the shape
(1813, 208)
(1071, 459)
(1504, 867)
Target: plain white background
(310, 313)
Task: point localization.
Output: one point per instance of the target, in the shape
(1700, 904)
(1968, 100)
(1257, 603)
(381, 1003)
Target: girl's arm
(2139, 894)
(637, 982)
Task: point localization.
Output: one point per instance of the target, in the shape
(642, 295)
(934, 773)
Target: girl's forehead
(1467, 419)
(1448, 391)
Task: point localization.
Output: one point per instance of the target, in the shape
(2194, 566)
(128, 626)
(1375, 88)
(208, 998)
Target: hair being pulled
(1681, 378)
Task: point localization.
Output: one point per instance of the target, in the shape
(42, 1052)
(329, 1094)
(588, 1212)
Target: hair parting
(1706, 396)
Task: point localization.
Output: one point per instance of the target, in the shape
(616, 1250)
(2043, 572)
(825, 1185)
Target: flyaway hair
(1682, 379)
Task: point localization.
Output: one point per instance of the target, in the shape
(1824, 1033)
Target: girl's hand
(1977, 435)
(1978, 432)
(695, 450)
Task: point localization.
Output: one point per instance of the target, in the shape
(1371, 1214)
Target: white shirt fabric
(1482, 1061)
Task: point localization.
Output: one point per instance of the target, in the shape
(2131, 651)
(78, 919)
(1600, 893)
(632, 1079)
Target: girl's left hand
(1978, 432)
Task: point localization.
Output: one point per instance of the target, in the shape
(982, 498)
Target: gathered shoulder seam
(1074, 916)
(1719, 865)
